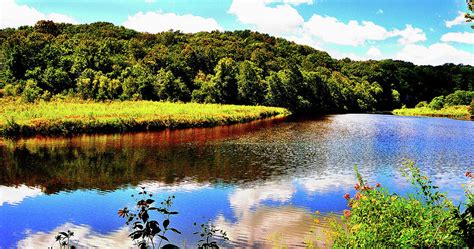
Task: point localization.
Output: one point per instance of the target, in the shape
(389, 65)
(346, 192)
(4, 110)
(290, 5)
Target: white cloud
(326, 183)
(409, 35)
(466, 37)
(374, 52)
(184, 186)
(243, 199)
(436, 54)
(331, 30)
(305, 39)
(13, 15)
(158, 21)
(278, 20)
(354, 33)
(285, 226)
(15, 195)
(284, 20)
(458, 20)
(84, 237)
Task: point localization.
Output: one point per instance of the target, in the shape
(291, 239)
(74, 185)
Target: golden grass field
(458, 112)
(76, 116)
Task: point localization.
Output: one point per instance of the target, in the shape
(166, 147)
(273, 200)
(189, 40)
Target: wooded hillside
(102, 61)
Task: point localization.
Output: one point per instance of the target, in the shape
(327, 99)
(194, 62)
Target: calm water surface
(260, 181)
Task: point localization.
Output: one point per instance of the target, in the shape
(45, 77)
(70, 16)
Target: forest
(101, 61)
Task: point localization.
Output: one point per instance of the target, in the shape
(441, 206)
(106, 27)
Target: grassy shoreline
(65, 118)
(455, 112)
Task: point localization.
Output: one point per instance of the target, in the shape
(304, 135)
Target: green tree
(459, 98)
(167, 87)
(224, 82)
(138, 83)
(249, 84)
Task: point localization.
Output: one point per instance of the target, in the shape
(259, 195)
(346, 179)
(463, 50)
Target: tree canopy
(102, 61)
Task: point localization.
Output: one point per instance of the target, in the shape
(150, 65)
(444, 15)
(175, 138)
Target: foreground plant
(209, 235)
(64, 239)
(424, 219)
(144, 229)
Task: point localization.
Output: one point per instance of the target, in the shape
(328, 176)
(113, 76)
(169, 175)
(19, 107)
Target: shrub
(31, 91)
(437, 103)
(459, 98)
(422, 104)
(424, 219)
(12, 90)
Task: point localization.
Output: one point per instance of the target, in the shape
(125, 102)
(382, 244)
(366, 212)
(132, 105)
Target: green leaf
(163, 237)
(166, 223)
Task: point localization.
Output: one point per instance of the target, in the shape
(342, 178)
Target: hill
(101, 61)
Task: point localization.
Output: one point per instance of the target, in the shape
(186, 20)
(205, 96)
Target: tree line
(101, 61)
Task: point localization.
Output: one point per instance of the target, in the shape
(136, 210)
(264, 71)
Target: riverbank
(456, 112)
(64, 118)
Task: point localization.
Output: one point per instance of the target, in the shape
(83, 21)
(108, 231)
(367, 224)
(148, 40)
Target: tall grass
(74, 117)
(459, 112)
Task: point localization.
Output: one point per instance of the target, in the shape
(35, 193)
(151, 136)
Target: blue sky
(422, 31)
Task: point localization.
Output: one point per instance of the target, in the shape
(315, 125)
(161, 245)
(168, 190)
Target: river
(261, 182)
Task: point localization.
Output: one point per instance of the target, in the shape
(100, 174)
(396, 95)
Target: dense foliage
(101, 61)
(457, 105)
(424, 219)
(453, 99)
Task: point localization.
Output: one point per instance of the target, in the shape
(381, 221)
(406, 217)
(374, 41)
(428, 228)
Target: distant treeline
(102, 61)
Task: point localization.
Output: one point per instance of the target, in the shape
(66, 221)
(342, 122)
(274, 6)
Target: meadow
(458, 112)
(69, 117)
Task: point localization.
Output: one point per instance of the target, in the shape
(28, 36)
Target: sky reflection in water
(259, 181)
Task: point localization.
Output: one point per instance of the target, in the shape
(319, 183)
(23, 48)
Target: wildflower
(357, 186)
(347, 213)
(347, 196)
(367, 187)
(317, 221)
(123, 212)
(378, 185)
(142, 203)
(317, 212)
(469, 174)
(357, 196)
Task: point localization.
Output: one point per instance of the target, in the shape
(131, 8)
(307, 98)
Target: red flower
(378, 185)
(469, 174)
(357, 196)
(357, 186)
(123, 212)
(347, 213)
(347, 196)
(142, 203)
(366, 187)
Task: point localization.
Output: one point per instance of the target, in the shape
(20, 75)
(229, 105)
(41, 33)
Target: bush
(12, 90)
(424, 219)
(422, 104)
(31, 92)
(459, 98)
(437, 103)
